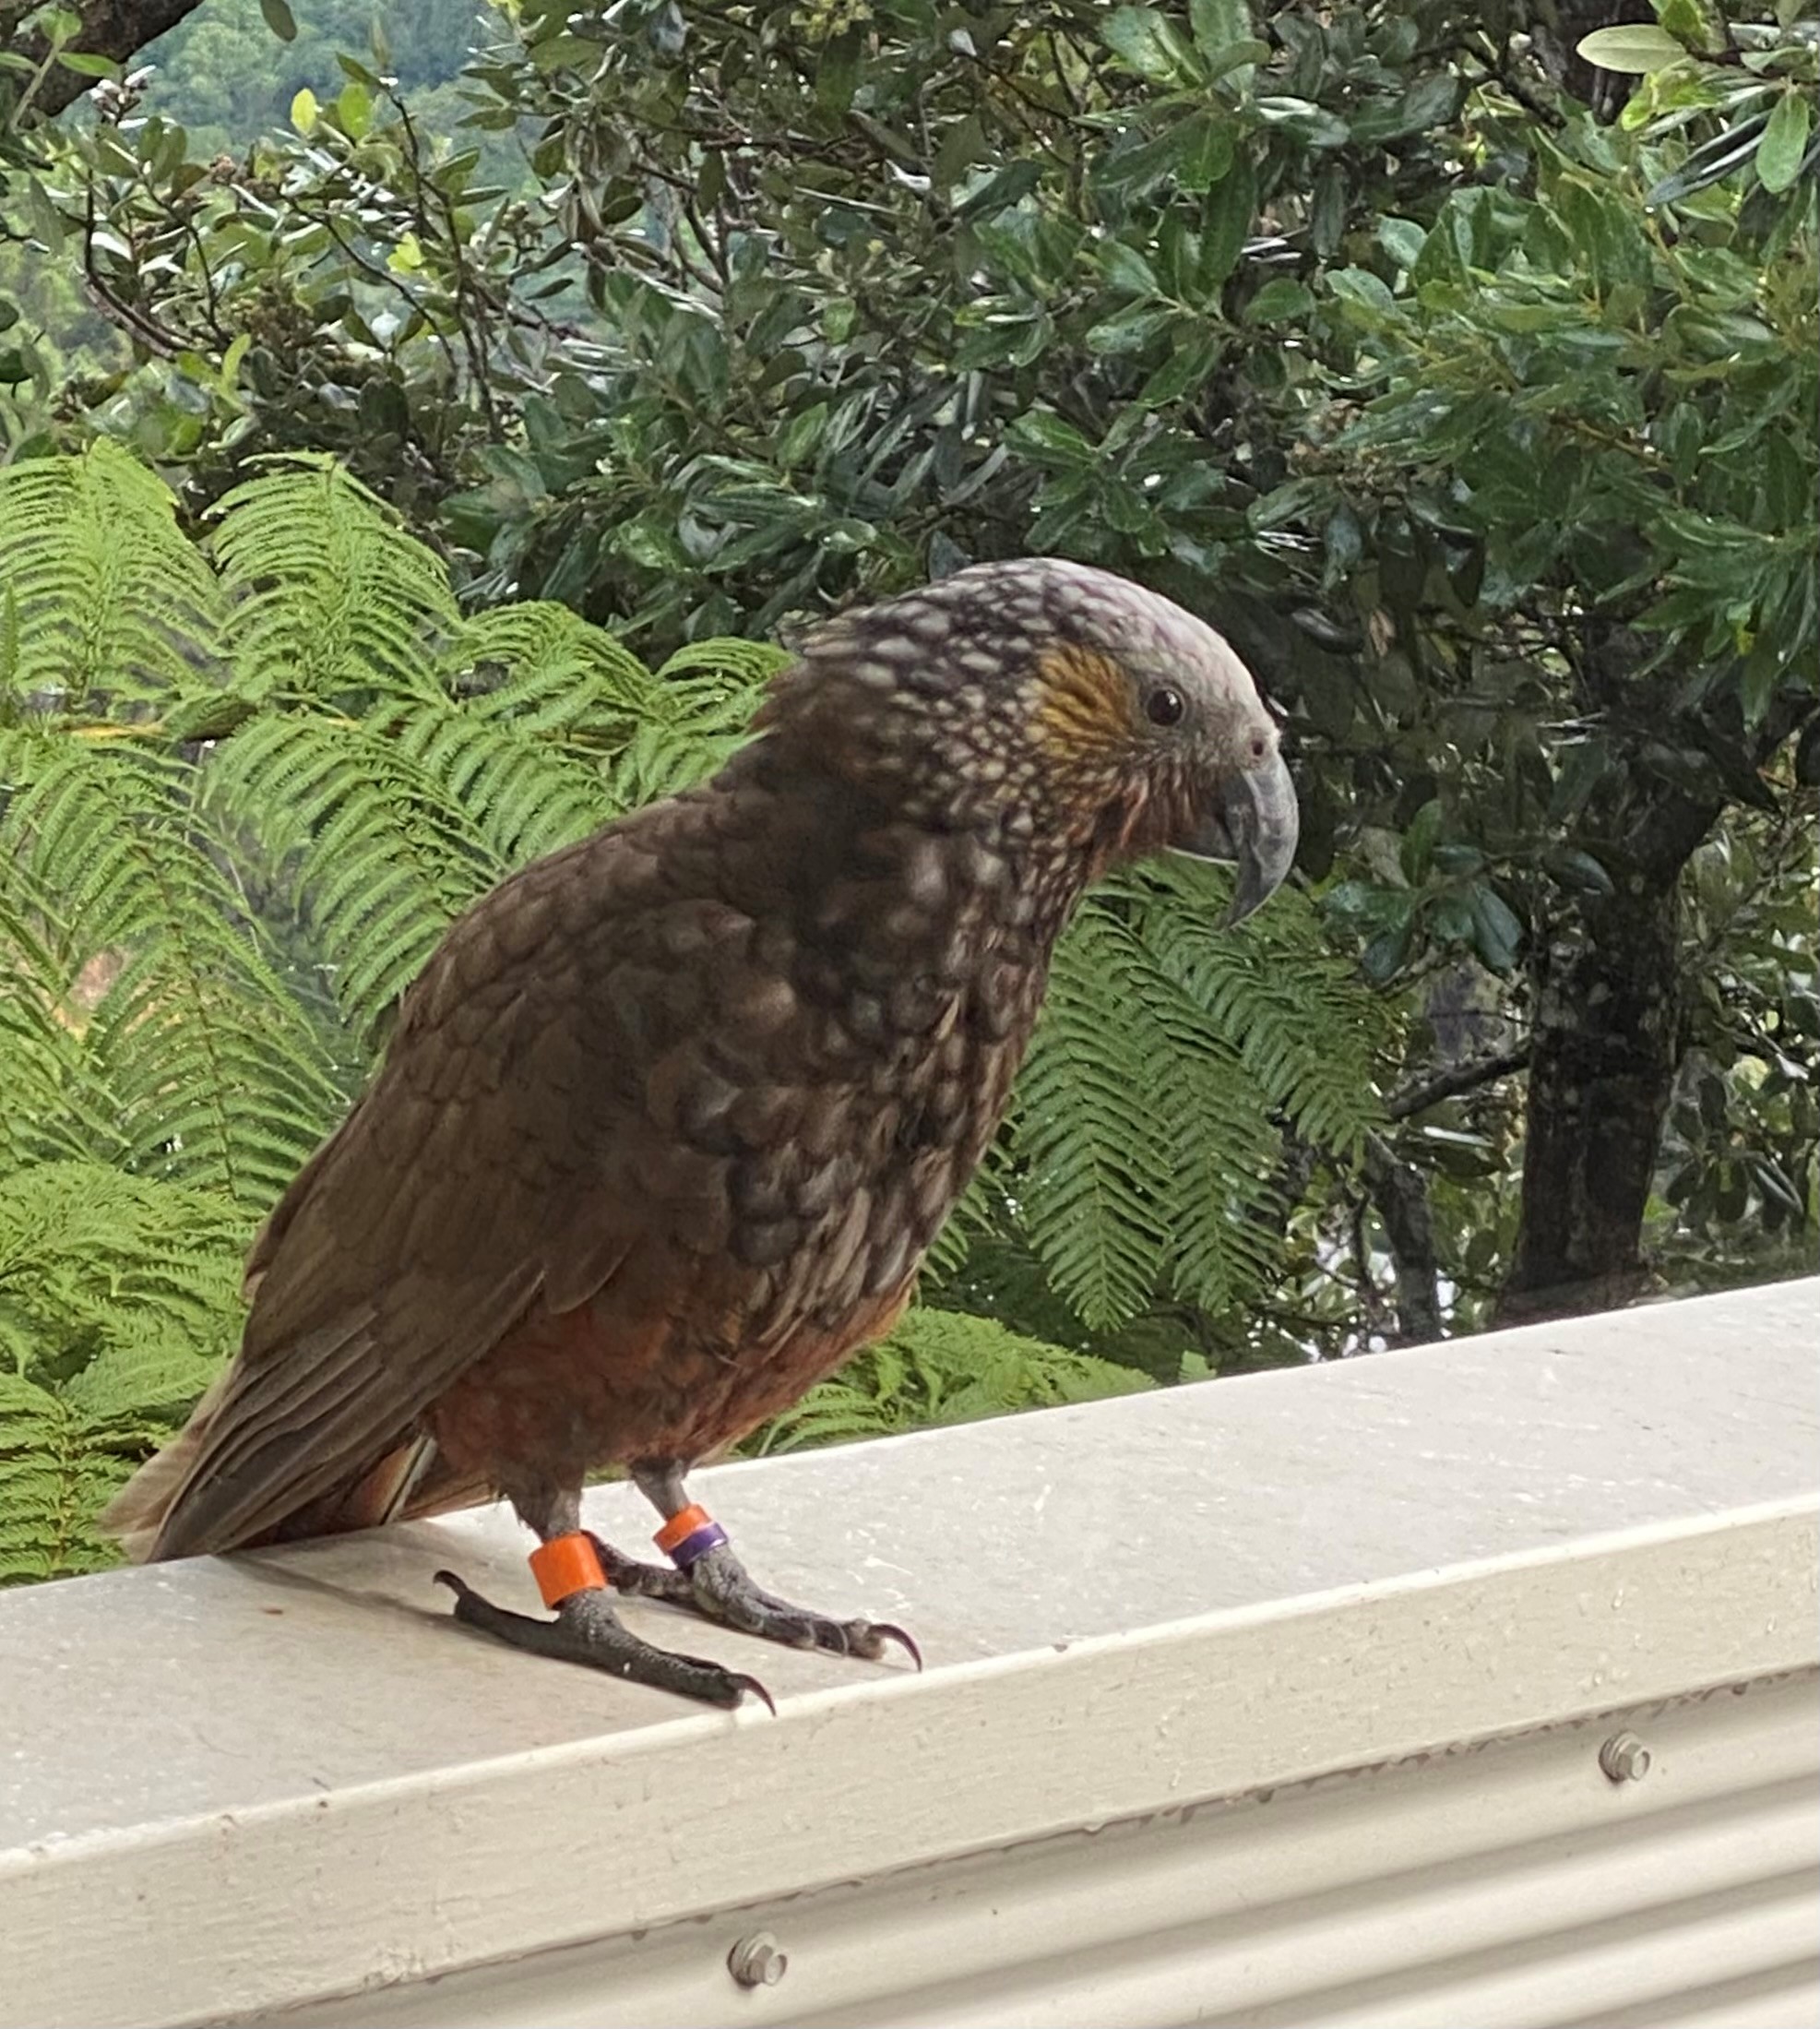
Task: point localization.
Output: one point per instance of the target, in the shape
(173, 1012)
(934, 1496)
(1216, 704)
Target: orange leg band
(680, 1527)
(567, 1565)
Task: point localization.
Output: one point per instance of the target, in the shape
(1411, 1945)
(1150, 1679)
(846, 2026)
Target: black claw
(887, 1631)
(758, 1689)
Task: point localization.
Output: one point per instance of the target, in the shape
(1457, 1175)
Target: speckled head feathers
(1041, 697)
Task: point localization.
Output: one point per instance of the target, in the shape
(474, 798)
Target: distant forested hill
(228, 79)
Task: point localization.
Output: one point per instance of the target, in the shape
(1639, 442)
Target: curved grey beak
(1254, 823)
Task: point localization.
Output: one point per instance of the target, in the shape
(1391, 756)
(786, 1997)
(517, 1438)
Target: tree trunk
(1604, 1050)
(1602, 1070)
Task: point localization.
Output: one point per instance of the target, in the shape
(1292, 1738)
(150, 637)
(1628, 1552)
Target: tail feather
(135, 1515)
(408, 1482)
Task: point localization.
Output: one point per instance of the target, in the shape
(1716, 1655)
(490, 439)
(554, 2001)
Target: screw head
(756, 1961)
(1624, 1758)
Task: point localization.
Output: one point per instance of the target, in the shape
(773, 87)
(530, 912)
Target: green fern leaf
(327, 596)
(56, 1104)
(553, 671)
(214, 1074)
(743, 666)
(119, 1299)
(697, 712)
(377, 854)
(105, 604)
(1304, 1024)
(1094, 1140)
(942, 1367)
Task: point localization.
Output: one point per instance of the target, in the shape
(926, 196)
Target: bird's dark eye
(1165, 707)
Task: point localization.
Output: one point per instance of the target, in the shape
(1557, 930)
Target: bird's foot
(586, 1630)
(719, 1587)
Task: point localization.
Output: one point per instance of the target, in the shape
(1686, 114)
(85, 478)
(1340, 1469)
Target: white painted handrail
(1279, 1699)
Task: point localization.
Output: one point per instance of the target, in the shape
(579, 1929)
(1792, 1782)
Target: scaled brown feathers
(670, 1117)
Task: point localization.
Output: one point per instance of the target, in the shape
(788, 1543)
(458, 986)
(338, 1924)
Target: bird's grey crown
(990, 620)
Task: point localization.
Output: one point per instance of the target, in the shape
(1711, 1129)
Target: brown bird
(670, 1117)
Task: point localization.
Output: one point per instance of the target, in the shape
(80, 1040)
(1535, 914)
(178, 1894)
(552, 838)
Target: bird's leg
(709, 1579)
(586, 1630)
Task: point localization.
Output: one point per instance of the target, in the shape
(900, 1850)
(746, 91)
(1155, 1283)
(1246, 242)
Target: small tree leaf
(278, 18)
(1387, 952)
(1784, 142)
(1217, 24)
(1497, 931)
(1150, 44)
(1204, 152)
(1578, 870)
(1635, 48)
(1279, 300)
(1224, 225)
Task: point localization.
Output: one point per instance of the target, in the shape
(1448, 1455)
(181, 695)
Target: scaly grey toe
(586, 1629)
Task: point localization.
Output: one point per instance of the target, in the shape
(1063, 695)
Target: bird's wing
(502, 1157)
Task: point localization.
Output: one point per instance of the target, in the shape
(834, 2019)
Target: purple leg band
(696, 1544)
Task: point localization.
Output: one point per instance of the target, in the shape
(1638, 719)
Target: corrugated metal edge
(309, 1899)
(1510, 1883)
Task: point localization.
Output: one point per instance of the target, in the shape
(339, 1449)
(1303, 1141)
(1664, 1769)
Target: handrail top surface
(139, 1699)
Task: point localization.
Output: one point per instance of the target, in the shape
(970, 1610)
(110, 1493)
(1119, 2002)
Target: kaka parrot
(671, 1116)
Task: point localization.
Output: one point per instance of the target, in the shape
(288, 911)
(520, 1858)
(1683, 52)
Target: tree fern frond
(1305, 1023)
(1146, 1123)
(89, 1254)
(942, 1367)
(53, 1483)
(53, 1106)
(214, 1073)
(697, 712)
(1092, 1138)
(1225, 1226)
(572, 729)
(523, 795)
(148, 1373)
(744, 666)
(105, 602)
(380, 853)
(541, 699)
(1222, 1147)
(67, 1450)
(326, 595)
(551, 672)
(119, 1298)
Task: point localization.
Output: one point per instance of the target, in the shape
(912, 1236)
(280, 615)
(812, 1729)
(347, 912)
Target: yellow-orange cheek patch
(1087, 710)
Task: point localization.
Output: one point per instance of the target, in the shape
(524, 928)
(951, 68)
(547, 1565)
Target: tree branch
(117, 28)
(1463, 1078)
